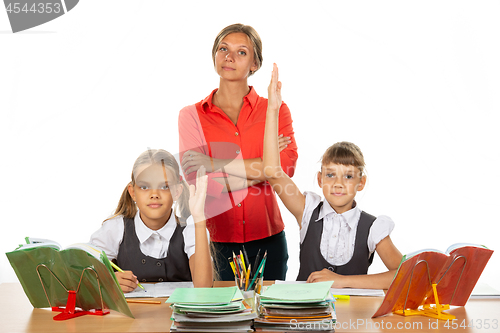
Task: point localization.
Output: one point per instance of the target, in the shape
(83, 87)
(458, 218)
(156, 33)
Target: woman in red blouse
(225, 132)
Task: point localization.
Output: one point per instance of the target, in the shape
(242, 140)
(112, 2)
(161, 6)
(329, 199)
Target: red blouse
(242, 215)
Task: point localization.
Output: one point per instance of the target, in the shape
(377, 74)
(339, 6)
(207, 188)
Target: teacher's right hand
(193, 160)
(283, 142)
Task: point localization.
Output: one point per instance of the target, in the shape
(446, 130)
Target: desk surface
(17, 315)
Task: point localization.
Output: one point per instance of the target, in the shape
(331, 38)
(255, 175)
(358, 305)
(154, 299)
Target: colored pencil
(343, 297)
(142, 301)
(243, 261)
(247, 278)
(256, 263)
(259, 285)
(263, 265)
(231, 263)
(253, 280)
(259, 270)
(235, 262)
(245, 254)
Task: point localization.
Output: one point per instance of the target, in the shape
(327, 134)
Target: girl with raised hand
(338, 239)
(158, 232)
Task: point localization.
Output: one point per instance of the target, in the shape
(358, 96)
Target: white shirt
(153, 243)
(339, 230)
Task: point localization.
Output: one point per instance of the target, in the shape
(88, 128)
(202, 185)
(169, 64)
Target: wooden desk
(17, 315)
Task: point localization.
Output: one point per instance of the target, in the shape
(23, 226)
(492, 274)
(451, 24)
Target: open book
(47, 272)
(40, 242)
(455, 273)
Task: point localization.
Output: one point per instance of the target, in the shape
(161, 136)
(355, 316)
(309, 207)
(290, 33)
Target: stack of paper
(297, 307)
(159, 289)
(210, 310)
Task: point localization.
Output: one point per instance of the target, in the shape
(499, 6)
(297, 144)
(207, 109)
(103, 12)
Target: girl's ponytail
(126, 206)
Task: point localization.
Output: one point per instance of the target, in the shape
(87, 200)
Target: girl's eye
(143, 187)
(242, 53)
(349, 177)
(223, 49)
(330, 175)
(165, 187)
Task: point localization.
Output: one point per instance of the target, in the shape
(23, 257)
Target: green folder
(205, 295)
(67, 266)
(302, 292)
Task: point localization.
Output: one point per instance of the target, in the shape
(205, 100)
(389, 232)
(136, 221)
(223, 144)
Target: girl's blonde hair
(126, 205)
(252, 35)
(345, 153)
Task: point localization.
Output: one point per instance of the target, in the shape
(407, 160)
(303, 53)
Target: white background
(414, 84)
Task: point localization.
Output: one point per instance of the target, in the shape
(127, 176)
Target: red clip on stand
(70, 312)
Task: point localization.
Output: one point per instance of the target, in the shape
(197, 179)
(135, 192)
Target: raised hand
(197, 195)
(274, 91)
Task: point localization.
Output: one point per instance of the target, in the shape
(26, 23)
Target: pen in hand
(121, 270)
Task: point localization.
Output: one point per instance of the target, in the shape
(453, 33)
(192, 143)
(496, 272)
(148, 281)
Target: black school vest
(311, 259)
(174, 267)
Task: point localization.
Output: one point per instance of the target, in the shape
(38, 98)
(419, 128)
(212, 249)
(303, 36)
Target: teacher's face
(235, 58)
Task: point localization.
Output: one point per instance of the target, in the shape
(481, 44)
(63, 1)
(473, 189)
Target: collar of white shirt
(350, 217)
(143, 232)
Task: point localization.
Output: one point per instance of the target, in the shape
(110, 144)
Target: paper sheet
(483, 290)
(344, 291)
(303, 292)
(160, 289)
(357, 292)
(222, 295)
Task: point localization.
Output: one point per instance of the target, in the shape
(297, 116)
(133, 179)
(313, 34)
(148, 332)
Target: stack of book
(210, 310)
(304, 307)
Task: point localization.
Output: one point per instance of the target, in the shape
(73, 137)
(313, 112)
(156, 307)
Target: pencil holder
(245, 285)
(248, 294)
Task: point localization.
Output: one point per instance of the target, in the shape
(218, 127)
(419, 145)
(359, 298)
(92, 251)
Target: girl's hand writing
(197, 195)
(274, 91)
(127, 280)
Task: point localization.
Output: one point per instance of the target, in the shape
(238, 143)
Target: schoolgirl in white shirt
(146, 238)
(338, 239)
